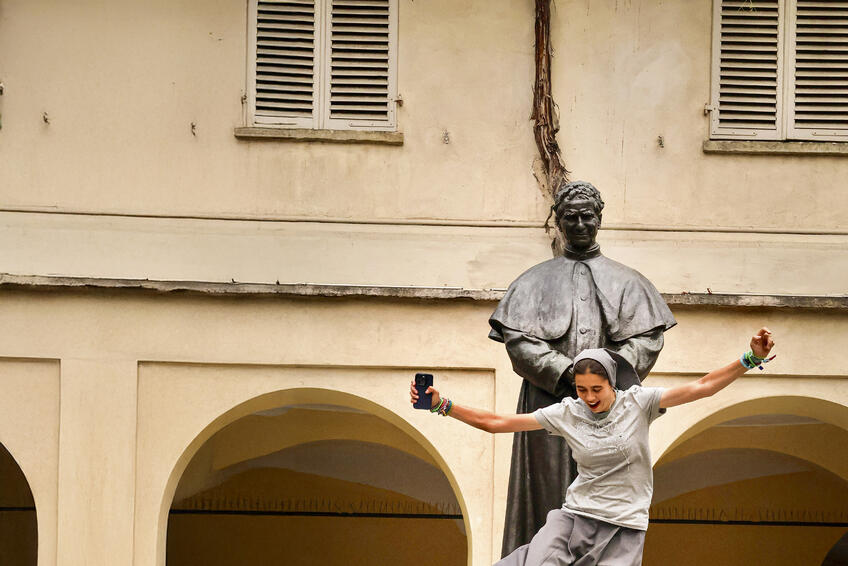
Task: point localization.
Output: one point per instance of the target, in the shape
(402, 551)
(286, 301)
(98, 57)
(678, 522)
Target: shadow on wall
(18, 525)
(838, 555)
(313, 484)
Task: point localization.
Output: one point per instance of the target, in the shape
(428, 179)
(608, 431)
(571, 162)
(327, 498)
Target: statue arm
(537, 362)
(641, 350)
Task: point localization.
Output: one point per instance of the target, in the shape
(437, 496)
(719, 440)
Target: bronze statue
(551, 313)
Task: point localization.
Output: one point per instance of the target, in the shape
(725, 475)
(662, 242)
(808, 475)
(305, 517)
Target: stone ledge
(776, 147)
(815, 302)
(257, 133)
(52, 283)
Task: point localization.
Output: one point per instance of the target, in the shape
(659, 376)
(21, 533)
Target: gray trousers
(574, 540)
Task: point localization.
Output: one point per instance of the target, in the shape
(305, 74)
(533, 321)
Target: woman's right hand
(413, 394)
(762, 343)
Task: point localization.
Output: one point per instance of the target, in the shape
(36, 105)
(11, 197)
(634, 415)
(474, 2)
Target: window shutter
(819, 106)
(360, 71)
(747, 77)
(286, 40)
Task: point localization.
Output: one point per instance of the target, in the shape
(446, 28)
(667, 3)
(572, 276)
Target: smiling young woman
(605, 513)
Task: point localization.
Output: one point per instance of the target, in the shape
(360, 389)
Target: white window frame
(785, 129)
(321, 119)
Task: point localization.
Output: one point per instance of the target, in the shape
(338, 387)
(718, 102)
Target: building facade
(232, 230)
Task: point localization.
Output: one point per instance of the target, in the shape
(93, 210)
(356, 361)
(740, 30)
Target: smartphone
(422, 382)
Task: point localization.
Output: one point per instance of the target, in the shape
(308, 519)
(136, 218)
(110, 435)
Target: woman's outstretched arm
(484, 420)
(716, 380)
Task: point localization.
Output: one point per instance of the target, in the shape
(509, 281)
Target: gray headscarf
(621, 374)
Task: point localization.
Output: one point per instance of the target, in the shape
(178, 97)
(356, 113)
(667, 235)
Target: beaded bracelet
(440, 407)
(750, 361)
(446, 408)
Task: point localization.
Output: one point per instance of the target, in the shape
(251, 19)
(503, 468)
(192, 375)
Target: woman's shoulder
(568, 407)
(641, 390)
(641, 395)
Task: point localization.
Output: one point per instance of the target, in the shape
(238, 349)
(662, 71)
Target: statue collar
(594, 251)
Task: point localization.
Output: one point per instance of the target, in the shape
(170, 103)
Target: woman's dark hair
(588, 365)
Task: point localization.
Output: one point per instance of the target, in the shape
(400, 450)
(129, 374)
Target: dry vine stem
(545, 112)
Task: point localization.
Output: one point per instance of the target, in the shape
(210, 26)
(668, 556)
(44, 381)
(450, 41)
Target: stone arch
(694, 422)
(304, 397)
(759, 474)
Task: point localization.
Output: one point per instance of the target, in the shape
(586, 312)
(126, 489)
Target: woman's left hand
(762, 343)
(413, 394)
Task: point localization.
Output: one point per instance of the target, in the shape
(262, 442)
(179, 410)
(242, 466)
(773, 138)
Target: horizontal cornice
(11, 282)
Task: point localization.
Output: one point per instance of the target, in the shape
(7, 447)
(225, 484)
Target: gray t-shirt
(614, 478)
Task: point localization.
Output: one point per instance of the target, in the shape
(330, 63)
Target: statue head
(577, 207)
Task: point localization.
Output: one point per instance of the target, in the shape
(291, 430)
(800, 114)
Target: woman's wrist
(751, 360)
(443, 407)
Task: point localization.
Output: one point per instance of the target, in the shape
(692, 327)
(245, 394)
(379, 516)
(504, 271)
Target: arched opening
(308, 483)
(753, 487)
(18, 525)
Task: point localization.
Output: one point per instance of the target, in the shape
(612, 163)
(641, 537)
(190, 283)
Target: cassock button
(584, 330)
(582, 298)
(582, 271)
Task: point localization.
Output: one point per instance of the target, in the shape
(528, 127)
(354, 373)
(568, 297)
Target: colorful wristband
(447, 408)
(750, 361)
(436, 408)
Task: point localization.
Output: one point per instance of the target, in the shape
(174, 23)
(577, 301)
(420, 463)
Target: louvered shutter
(359, 72)
(287, 41)
(747, 75)
(819, 103)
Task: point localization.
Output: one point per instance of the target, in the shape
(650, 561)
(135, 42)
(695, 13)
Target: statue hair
(578, 190)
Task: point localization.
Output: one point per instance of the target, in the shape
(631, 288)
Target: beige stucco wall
(29, 429)
(119, 142)
(106, 395)
(191, 365)
(122, 82)
(630, 71)
(403, 255)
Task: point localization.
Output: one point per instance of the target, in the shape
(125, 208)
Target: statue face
(579, 222)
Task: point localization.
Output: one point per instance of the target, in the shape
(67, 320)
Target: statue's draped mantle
(540, 301)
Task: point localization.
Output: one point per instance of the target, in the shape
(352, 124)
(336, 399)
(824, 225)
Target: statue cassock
(549, 314)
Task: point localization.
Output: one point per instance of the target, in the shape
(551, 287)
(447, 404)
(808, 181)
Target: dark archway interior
(759, 489)
(18, 526)
(314, 484)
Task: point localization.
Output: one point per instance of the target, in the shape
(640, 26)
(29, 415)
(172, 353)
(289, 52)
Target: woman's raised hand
(413, 394)
(762, 343)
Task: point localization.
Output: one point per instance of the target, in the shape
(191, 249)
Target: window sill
(775, 147)
(256, 133)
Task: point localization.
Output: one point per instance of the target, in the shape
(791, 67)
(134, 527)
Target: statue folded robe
(549, 314)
